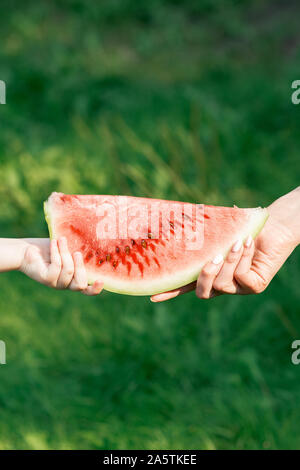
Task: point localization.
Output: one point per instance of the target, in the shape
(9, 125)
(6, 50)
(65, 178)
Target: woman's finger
(79, 281)
(173, 293)
(204, 287)
(95, 289)
(67, 270)
(216, 279)
(249, 279)
(245, 262)
(207, 274)
(224, 282)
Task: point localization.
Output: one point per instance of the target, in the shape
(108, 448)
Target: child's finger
(55, 264)
(67, 270)
(79, 281)
(224, 281)
(204, 288)
(95, 289)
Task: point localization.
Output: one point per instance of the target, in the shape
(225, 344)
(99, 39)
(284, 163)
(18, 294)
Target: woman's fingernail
(237, 246)
(158, 298)
(218, 259)
(248, 241)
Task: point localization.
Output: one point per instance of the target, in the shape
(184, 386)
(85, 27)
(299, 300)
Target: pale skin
(247, 269)
(48, 262)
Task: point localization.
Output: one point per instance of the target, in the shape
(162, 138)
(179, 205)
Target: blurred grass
(171, 99)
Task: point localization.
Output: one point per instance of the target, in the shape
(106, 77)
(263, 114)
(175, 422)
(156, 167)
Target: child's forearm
(12, 252)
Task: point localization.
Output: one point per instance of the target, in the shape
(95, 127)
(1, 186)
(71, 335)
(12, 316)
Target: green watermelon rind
(181, 278)
(48, 219)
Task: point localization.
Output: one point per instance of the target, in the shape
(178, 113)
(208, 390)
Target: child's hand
(50, 262)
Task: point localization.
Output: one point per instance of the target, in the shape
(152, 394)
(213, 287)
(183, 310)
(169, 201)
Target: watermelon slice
(140, 246)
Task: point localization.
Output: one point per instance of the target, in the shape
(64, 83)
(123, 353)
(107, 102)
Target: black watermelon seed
(117, 249)
(132, 242)
(101, 261)
(108, 257)
(144, 244)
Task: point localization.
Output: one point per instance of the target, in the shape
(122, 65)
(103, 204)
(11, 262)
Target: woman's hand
(50, 262)
(250, 268)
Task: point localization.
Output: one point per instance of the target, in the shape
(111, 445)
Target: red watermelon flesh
(140, 246)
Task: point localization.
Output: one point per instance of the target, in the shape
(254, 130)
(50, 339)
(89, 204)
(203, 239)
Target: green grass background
(186, 100)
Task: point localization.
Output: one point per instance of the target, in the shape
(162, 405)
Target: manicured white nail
(248, 241)
(218, 259)
(237, 246)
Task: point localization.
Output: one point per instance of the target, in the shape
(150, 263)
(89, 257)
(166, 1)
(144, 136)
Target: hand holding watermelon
(250, 269)
(48, 262)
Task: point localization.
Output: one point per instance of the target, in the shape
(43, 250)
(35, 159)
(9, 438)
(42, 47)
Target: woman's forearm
(285, 213)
